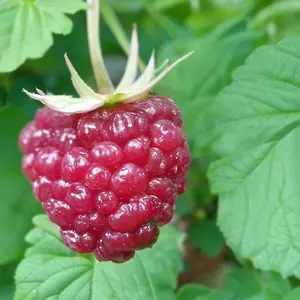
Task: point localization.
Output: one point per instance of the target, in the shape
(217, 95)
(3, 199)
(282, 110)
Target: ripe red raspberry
(108, 178)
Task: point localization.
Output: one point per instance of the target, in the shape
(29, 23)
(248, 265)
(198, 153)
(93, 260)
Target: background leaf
(50, 269)
(293, 295)
(7, 281)
(128, 5)
(27, 27)
(194, 84)
(209, 69)
(254, 125)
(276, 283)
(199, 292)
(242, 283)
(17, 98)
(239, 284)
(158, 5)
(206, 235)
(17, 205)
(174, 27)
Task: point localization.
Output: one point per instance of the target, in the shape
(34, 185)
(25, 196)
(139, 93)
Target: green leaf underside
(52, 271)
(253, 125)
(17, 205)
(26, 28)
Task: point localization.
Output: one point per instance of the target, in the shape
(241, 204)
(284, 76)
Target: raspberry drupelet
(108, 178)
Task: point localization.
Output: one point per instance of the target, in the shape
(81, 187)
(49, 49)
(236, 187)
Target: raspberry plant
(108, 163)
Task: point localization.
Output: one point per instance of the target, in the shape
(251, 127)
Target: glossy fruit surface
(108, 178)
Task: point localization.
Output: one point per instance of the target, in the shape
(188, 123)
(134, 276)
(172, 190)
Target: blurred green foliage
(222, 32)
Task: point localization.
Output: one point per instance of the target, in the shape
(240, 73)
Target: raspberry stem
(115, 26)
(103, 81)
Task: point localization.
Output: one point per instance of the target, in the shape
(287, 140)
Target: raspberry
(27, 165)
(108, 178)
(97, 177)
(130, 216)
(48, 162)
(129, 180)
(106, 202)
(42, 188)
(80, 197)
(108, 154)
(59, 212)
(75, 164)
(146, 236)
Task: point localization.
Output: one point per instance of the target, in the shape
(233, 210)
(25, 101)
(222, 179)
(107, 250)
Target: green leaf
(185, 203)
(17, 98)
(260, 296)
(194, 83)
(17, 205)
(251, 284)
(41, 222)
(199, 292)
(265, 295)
(160, 5)
(242, 283)
(275, 282)
(293, 295)
(206, 235)
(27, 26)
(205, 20)
(52, 271)
(7, 281)
(274, 10)
(254, 126)
(239, 284)
(127, 5)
